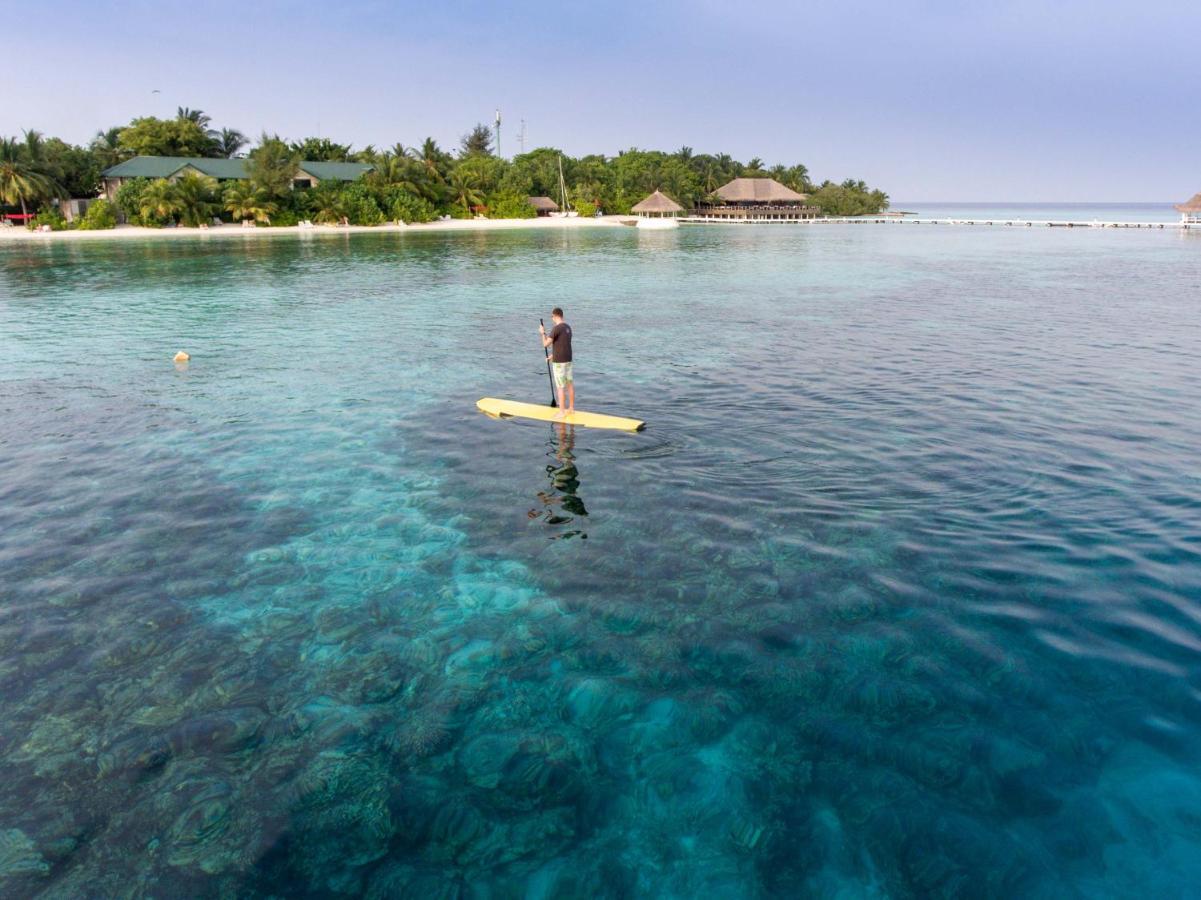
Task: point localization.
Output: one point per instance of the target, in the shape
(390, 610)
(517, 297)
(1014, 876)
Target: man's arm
(547, 339)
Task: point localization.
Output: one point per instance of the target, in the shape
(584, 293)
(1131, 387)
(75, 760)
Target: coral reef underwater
(316, 651)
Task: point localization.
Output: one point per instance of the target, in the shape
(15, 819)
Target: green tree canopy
(47, 160)
(157, 202)
(272, 166)
(477, 142)
(197, 116)
(321, 150)
(465, 189)
(149, 136)
(541, 168)
(245, 201)
(486, 172)
(21, 181)
(436, 161)
(99, 216)
(230, 141)
(75, 169)
(410, 181)
(330, 203)
(851, 198)
(195, 198)
(106, 148)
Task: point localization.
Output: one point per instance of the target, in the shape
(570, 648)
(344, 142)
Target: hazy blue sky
(964, 100)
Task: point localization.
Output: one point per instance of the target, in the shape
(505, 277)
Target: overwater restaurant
(1190, 211)
(756, 200)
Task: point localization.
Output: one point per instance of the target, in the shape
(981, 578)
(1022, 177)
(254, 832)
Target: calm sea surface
(899, 595)
(1059, 212)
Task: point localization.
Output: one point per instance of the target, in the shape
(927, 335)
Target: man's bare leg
(562, 413)
(570, 397)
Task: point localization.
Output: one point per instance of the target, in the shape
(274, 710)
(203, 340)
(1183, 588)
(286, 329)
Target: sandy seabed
(131, 232)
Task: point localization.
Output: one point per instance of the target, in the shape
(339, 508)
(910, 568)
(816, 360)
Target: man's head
(556, 315)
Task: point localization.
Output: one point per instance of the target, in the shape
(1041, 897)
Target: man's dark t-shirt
(560, 336)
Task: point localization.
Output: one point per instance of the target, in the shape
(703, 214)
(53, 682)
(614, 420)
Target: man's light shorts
(562, 374)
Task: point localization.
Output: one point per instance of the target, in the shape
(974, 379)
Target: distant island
(50, 183)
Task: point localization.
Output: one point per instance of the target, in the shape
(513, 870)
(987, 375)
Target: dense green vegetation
(98, 217)
(407, 183)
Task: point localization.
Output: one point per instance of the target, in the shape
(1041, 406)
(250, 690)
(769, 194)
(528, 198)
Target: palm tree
(399, 171)
(798, 177)
(754, 167)
(158, 201)
(329, 204)
(34, 151)
(194, 198)
(432, 161)
(245, 201)
(193, 115)
(433, 158)
(106, 147)
(20, 180)
(35, 145)
(684, 154)
(464, 189)
(709, 171)
(230, 141)
(318, 149)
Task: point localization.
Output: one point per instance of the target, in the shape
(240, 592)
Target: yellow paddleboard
(507, 408)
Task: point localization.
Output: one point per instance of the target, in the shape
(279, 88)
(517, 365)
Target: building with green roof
(309, 173)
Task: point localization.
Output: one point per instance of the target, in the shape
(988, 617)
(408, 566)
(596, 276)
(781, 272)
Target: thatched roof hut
(1190, 206)
(544, 205)
(757, 191)
(657, 204)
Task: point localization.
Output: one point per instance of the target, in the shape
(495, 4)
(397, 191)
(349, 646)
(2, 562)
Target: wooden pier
(897, 220)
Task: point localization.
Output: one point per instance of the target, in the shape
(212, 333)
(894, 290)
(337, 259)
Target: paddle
(549, 377)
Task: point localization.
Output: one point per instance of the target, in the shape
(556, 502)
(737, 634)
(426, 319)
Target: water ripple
(899, 592)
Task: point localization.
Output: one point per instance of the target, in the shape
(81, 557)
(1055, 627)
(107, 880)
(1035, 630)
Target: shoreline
(18, 234)
(22, 236)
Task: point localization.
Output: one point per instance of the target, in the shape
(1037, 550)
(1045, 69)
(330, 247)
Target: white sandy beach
(132, 232)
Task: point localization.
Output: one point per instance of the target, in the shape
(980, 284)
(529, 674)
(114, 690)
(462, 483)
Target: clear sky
(956, 100)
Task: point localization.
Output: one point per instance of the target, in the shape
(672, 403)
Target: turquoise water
(899, 595)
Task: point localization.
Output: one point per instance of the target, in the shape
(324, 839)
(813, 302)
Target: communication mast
(498, 132)
(521, 136)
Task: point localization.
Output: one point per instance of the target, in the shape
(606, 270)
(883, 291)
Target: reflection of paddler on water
(565, 481)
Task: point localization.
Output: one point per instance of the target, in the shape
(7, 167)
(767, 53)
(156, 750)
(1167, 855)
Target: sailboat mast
(562, 185)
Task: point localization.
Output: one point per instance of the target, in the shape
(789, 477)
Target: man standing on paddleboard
(559, 340)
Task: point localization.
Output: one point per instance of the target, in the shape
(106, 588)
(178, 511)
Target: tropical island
(162, 172)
